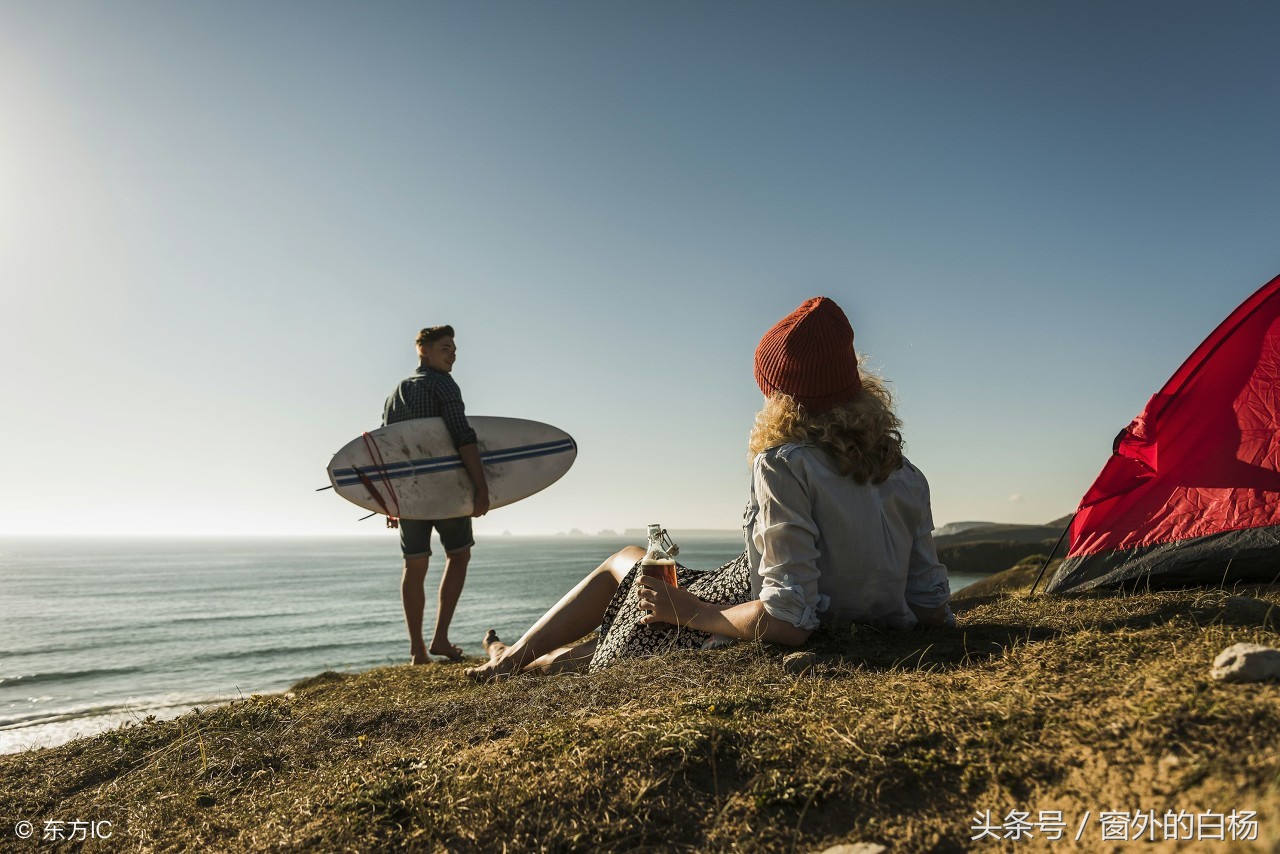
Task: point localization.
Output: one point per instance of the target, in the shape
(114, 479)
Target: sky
(222, 224)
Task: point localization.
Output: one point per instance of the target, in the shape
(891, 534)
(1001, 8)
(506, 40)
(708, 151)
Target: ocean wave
(52, 731)
(123, 637)
(228, 618)
(28, 679)
(124, 709)
(281, 651)
(355, 622)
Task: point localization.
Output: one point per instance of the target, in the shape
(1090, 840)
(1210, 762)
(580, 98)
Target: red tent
(1191, 493)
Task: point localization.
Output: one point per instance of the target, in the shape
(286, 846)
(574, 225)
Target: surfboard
(411, 469)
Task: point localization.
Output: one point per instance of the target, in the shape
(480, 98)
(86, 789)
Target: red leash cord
(393, 519)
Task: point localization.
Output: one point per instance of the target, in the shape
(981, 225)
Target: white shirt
(820, 543)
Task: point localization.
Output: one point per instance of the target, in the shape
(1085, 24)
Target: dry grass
(1077, 704)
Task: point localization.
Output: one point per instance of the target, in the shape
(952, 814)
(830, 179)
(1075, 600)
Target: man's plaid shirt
(427, 394)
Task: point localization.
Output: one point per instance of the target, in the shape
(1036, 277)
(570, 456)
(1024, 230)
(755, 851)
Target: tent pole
(1051, 554)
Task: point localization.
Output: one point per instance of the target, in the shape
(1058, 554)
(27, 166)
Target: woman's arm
(786, 537)
(928, 585)
(785, 534)
(745, 621)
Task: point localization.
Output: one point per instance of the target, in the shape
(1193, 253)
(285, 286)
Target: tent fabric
(1191, 493)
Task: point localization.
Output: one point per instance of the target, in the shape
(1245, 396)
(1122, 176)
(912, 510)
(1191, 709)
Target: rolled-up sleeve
(928, 584)
(786, 536)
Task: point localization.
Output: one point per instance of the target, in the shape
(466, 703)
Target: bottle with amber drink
(659, 558)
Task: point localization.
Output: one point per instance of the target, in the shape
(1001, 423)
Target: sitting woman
(838, 528)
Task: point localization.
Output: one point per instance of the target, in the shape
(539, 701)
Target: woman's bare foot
(451, 651)
(500, 664)
(491, 671)
(493, 645)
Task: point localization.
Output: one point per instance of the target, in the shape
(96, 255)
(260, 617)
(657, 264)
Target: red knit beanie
(809, 355)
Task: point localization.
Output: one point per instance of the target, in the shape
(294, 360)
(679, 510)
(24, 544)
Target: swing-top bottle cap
(654, 529)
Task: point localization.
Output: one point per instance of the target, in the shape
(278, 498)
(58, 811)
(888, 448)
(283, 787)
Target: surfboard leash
(393, 519)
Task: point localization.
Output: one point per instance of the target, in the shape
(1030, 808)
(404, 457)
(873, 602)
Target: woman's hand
(666, 604)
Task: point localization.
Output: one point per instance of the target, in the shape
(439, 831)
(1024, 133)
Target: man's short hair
(434, 333)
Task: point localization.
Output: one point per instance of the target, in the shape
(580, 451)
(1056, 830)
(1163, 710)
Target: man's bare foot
(415, 658)
(451, 651)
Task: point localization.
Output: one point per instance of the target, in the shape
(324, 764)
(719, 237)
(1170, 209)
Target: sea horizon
(380, 533)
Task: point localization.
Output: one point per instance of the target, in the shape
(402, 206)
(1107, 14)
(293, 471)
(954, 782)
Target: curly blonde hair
(863, 436)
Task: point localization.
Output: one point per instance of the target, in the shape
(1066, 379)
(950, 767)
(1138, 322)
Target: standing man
(428, 393)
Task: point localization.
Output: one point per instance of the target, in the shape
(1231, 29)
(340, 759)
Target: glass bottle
(659, 560)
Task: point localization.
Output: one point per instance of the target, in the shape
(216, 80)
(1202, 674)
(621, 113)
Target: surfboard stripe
(432, 465)
(503, 455)
(520, 452)
(527, 451)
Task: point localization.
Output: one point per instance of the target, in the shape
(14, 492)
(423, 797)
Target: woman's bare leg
(576, 614)
(566, 659)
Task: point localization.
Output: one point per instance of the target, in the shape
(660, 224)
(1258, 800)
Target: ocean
(98, 632)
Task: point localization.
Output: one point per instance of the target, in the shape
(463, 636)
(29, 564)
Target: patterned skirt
(622, 635)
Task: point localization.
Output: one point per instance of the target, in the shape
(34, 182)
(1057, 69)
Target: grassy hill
(1075, 704)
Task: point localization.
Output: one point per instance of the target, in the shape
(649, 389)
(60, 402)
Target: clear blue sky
(221, 225)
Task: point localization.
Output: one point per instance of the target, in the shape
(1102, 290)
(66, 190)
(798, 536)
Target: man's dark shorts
(415, 535)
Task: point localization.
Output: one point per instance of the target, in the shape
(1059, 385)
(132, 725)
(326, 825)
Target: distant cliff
(982, 548)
